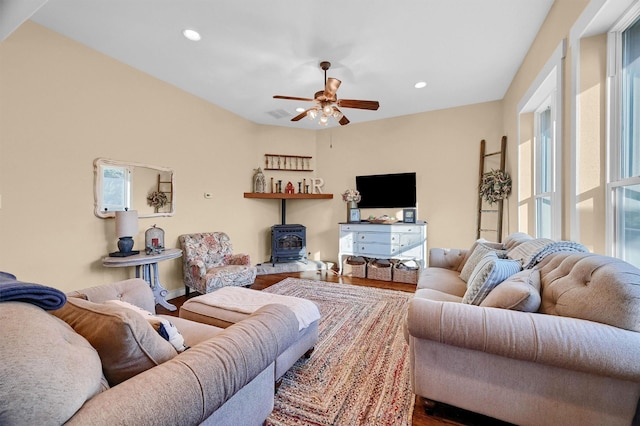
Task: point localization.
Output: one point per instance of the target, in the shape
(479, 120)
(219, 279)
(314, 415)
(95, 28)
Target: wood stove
(288, 243)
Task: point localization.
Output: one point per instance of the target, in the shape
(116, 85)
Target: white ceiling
(467, 51)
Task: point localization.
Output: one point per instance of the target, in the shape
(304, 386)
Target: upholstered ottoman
(229, 305)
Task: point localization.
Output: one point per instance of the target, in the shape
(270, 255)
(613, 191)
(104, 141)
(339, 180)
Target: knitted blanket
(532, 252)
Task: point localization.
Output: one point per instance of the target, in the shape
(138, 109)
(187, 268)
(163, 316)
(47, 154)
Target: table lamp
(126, 228)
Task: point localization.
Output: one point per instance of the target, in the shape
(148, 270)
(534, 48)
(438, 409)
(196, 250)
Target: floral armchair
(209, 263)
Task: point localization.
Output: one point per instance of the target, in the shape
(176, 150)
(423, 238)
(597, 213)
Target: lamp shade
(127, 223)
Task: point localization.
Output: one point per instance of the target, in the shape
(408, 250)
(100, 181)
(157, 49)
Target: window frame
(550, 192)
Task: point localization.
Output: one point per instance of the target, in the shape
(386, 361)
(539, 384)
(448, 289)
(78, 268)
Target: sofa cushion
(519, 292)
(126, 342)
(591, 287)
(134, 290)
(439, 296)
(442, 279)
(47, 370)
(478, 251)
(192, 331)
(488, 273)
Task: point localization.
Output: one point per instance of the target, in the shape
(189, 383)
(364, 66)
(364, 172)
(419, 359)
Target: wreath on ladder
(157, 199)
(495, 186)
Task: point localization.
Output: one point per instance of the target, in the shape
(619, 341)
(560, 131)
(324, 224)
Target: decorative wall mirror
(121, 185)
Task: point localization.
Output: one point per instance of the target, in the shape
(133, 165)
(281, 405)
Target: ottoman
(229, 305)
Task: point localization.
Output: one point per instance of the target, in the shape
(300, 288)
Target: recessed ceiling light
(420, 84)
(192, 35)
(300, 109)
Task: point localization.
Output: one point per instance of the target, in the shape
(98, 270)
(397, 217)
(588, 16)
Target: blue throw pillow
(488, 273)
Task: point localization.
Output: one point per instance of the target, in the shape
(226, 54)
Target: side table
(147, 262)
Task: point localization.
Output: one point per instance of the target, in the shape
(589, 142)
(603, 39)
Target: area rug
(358, 373)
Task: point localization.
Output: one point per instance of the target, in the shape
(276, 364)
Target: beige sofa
(51, 375)
(573, 360)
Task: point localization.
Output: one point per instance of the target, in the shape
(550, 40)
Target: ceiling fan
(328, 103)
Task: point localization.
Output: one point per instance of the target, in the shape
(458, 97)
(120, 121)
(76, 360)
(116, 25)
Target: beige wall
(442, 147)
(63, 105)
(557, 25)
(591, 143)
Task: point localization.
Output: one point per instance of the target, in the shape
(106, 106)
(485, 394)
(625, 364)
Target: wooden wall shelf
(284, 197)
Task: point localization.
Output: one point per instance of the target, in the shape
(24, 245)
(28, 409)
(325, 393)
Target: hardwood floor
(442, 415)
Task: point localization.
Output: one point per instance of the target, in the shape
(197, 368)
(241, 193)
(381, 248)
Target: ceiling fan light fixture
(327, 102)
(420, 84)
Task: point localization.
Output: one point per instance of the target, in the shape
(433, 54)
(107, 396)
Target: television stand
(402, 241)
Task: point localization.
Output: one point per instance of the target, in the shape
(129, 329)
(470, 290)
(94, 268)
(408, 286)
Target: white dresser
(405, 241)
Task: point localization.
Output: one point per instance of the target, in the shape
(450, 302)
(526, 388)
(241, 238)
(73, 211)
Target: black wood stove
(288, 243)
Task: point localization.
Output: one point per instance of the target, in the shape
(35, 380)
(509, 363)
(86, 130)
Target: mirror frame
(98, 183)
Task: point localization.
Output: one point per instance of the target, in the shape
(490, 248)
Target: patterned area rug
(358, 373)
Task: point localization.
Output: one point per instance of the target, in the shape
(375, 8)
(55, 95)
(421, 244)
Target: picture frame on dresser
(354, 215)
(409, 215)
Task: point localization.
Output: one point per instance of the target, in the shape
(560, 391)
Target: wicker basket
(355, 267)
(405, 275)
(378, 272)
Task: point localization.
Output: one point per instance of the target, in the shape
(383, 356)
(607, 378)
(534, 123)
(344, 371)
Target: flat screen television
(397, 190)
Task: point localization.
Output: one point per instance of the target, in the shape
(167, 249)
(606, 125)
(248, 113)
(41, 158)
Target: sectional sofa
(102, 363)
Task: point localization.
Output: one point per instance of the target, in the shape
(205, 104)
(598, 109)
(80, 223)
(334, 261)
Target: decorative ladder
(498, 211)
(166, 187)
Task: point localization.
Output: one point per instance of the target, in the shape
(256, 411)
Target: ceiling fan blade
(353, 103)
(331, 88)
(292, 98)
(302, 115)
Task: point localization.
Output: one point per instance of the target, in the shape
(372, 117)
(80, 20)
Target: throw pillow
(519, 292)
(490, 244)
(126, 343)
(479, 250)
(527, 250)
(164, 327)
(488, 273)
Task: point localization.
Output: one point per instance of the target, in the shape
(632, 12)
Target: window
(544, 176)
(624, 181)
